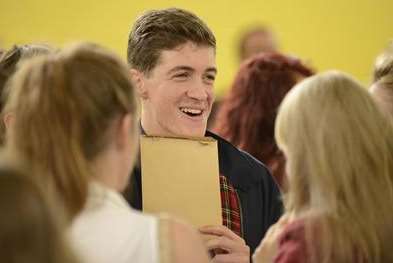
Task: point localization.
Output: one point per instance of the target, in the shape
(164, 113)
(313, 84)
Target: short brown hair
(158, 30)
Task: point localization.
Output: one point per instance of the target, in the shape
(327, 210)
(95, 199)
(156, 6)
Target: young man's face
(177, 95)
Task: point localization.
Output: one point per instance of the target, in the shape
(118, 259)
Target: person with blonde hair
(339, 150)
(31, 228)
(382, 87)
(76, 123)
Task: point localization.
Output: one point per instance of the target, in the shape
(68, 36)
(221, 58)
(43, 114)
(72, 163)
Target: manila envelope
(180, 177)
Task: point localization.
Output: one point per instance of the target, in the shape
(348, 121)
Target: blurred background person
(382, 87)
(10, 61)
(31, 227)
(255, 40)
(339, 154)
(247, 116)
(76, 123)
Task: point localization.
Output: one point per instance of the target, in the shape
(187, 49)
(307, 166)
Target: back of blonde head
(339, 149)
(64, 105)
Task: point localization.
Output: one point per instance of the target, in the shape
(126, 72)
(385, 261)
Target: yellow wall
(341, 34)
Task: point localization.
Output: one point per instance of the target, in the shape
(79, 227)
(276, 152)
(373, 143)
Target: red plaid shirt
(230, 204)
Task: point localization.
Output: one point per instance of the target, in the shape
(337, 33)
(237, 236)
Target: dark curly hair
(247, 116)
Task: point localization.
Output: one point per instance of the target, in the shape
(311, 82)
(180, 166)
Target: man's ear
(138, 79)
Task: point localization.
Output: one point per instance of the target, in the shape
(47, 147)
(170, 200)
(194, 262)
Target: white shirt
(109, 230)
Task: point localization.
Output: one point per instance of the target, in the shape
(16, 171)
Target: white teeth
(192, 111)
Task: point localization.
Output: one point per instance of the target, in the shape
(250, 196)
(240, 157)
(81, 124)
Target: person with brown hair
(171, 53)
(248, 114)
(339, 150)
(76, 124)
(10, 61)
(31, 228)
(382, 87)
(255, 40)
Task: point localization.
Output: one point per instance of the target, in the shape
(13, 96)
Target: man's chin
(192, 132)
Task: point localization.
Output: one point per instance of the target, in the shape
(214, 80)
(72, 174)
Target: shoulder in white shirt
(109, 230)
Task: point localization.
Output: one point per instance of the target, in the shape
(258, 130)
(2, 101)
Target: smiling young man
(171, 53)
(178, 93)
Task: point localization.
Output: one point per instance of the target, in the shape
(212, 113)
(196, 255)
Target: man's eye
(211, 77)
(181, 75)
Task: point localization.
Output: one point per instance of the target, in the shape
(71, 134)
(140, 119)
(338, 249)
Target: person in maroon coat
(339, 151)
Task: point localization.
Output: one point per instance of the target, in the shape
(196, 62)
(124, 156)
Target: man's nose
(198, 91)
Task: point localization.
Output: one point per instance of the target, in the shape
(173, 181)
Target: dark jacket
(259, 195)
